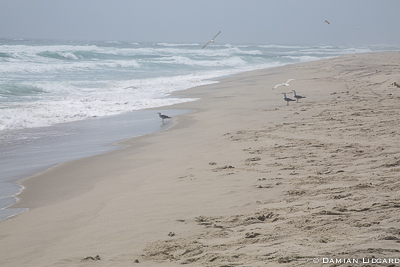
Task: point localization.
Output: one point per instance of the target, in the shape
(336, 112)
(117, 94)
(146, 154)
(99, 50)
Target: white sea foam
(172, 44)
(304, 58)
(66, 102)
(46, 113)
(296, 47)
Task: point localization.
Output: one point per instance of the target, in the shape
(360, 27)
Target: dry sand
(244, 180)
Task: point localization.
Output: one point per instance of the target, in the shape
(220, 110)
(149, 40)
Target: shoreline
(237, 180)
(65, 142)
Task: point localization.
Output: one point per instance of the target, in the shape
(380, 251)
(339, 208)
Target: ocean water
(52, 93)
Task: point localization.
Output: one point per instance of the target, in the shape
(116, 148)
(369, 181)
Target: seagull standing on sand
(297, 96)
(283, 84)
(212, 40)
(287, 99)
(163, 117)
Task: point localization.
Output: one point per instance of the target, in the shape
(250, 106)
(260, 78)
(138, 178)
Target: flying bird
(212, 40)
(283, 84)
(287, 99)
(163, 117)
(297, 96)
(327, 22)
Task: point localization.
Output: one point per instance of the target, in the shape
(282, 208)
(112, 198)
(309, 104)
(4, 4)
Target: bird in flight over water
(212, 40)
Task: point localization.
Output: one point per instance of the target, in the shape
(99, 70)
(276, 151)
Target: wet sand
(244, 180)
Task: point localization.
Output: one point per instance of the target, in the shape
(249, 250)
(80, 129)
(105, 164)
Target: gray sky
(196, 21)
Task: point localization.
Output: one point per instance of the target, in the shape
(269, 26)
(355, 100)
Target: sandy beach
(243, 180)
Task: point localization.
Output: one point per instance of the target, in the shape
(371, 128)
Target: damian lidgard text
(359, 261)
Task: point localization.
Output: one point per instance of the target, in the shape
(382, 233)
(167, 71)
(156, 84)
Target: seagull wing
(216, 35)
(276, 86)
(206, 44)
(288, 81)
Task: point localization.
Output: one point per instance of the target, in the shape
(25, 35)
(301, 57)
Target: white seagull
(212, 40)
(163, 117)
(283, 84)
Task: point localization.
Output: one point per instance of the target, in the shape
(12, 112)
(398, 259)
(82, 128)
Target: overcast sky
(197, 21)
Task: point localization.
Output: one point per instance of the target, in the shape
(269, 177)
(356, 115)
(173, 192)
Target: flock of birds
(287, 99)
